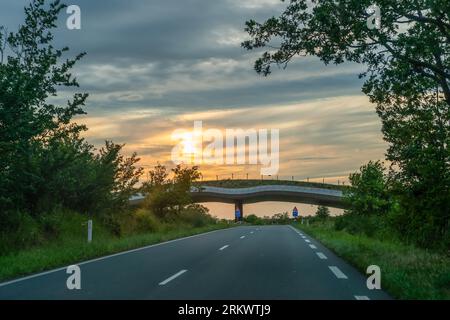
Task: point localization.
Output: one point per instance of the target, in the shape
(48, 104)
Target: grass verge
(407, 272)
(75, 249)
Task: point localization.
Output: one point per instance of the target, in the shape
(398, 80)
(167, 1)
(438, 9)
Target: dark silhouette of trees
(44, 162)
(407, 76)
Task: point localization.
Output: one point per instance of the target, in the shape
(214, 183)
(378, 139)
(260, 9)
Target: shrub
(366, 225)
(369, 194)
(146, 221)
(196, 215)
(23, 232)
(322, 212)
(253, 219)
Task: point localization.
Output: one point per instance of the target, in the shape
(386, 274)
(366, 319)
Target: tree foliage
(406, 57)
(44, 161)
(369, 194)
(322, 212)
(407, 76)
(164, 194)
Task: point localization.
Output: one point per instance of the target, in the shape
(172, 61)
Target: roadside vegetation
(59, 238)
(407, 272)
(407, 79)
(71, 245)
(52, 181)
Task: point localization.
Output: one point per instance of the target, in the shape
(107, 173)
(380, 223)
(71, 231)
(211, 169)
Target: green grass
(72, 247)
(253, 183)
(407, 272)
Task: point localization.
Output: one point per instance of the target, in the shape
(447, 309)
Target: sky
(156, 66)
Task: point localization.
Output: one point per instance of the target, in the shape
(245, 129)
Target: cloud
(154, 66)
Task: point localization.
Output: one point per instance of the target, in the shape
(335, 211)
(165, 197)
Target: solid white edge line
(176, 275)
(224, 247)
(108, 256)
(321, 255)
(337, 272)
(361, 297)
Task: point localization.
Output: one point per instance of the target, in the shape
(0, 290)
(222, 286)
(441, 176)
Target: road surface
(247, 262)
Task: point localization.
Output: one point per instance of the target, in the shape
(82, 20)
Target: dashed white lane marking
(176, 275)
(362, 298)
(251, 231)
(307, 240)
(110, 256)
(337, 272)
(312, 246)
(321, 255)
(224, 247)
(242, 237)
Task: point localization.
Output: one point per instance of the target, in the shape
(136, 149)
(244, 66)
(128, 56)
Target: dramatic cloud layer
(155, 66)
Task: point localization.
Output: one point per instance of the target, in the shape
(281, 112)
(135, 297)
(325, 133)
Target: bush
(51, 224)
(366, 225)
(146, 221)
(24, 232)
(253, 219)
(195, 215)
(322, 212)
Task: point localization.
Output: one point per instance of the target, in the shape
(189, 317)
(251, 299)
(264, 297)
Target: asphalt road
(249, 262)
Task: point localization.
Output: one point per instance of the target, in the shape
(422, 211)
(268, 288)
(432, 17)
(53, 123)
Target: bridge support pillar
(240, 206)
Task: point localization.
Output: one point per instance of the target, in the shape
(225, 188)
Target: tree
(322, 212)
(183, 179)
(158, 176)
(164, 194)
(407, 77)
(30, 73)
(368, 194)
(253, 219)
(406, 57)
(44, 161)
(157, 190)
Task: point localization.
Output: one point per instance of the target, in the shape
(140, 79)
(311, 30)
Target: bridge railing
(342, 181)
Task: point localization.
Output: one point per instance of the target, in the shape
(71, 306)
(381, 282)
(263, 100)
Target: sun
(188, 144)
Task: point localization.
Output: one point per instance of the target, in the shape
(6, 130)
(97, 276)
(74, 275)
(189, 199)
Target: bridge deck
(319, 196)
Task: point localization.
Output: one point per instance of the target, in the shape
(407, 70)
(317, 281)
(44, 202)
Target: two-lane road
(251, 262)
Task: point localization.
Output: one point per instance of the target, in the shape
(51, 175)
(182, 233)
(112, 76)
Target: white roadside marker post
(89, 231)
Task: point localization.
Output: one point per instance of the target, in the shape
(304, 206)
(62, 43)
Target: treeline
(407, 77)
(45, 164)
(46, 167)
(167, 204)
(322, 213)
(379, 204)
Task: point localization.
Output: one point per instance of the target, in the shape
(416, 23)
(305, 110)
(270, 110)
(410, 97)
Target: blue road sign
(237, 213)
(295, 212)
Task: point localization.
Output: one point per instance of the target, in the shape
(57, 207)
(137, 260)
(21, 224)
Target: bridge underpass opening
(265, 208)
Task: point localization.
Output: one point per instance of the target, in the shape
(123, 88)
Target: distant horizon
(265, 208)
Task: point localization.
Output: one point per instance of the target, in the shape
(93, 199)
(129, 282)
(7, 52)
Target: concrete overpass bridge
(245, 192)
(275, 192)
